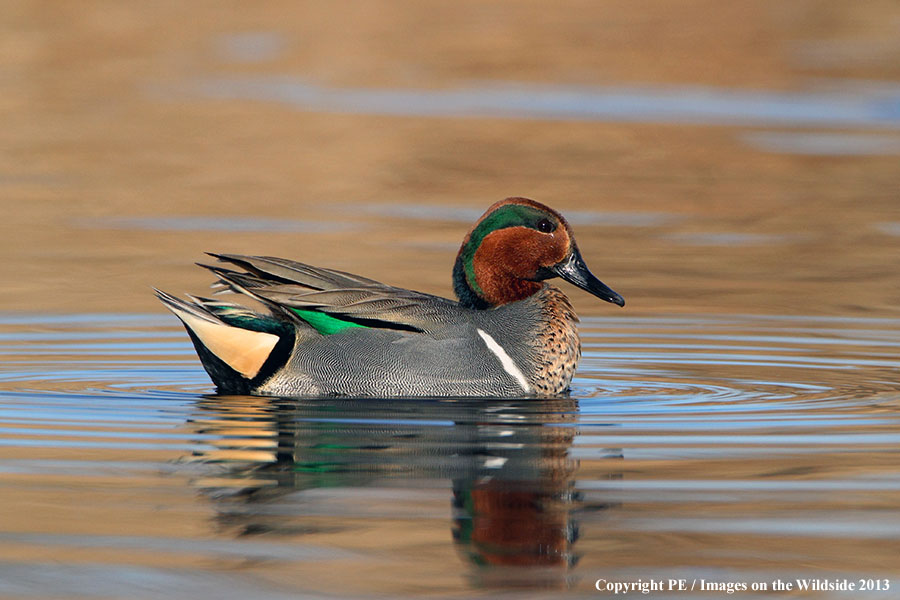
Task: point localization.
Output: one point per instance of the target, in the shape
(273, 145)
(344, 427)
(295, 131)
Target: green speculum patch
(323, 323)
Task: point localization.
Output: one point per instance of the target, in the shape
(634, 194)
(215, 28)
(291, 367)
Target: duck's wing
(297, 289)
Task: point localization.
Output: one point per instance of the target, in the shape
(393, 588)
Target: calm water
(733, 448)
(732, 168)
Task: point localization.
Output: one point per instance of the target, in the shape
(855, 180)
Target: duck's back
(474, 353)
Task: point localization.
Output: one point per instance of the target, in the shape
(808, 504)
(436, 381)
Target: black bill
(576, 272)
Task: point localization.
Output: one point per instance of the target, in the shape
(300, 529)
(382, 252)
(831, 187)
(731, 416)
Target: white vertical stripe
(508, 365)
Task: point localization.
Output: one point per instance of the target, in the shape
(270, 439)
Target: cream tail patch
(243, 350)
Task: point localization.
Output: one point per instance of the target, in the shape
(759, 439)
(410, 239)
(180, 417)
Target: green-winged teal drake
(333, 333)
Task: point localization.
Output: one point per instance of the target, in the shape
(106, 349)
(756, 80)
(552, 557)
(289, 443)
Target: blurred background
(731, 168)
(712, 156)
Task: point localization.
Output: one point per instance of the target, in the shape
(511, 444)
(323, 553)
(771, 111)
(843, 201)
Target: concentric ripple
(717, 441)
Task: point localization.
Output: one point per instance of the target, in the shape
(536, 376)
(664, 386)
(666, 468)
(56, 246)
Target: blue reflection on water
(215, 223)
(851, 105)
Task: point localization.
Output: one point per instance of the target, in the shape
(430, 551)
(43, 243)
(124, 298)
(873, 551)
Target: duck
(327, 333)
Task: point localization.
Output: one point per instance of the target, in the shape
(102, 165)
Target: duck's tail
(239, 348)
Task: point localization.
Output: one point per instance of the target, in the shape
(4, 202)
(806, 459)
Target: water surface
(731, 448)
(729, 167)
(852, 106)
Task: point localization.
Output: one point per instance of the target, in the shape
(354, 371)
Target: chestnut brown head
(514, 246)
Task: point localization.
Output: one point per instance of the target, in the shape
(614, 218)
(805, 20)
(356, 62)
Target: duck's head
(512, 249)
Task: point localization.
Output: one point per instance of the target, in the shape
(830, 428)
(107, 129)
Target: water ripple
(682, 434)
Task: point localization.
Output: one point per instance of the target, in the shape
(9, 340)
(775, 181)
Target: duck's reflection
(509, 464)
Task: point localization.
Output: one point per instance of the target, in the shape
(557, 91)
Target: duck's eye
(545, 226)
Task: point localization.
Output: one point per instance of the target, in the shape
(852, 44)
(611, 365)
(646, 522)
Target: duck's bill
(576, 272)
